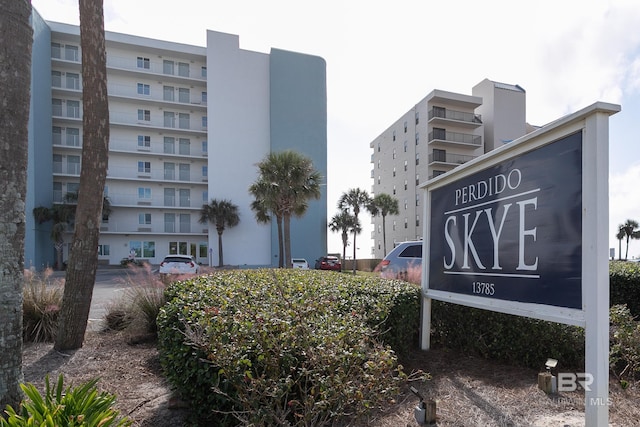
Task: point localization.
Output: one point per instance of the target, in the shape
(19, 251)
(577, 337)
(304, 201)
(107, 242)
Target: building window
(103, 250)
(378, 164)
(73, 81)
(406, 204)
(56, 107)
(183, 121)
(169, 119)
(170, 171)
(56, 136)
(205, 147)
(394, 135)
(417, 200)
(205, 196)
(185, 197)
(143, 89)
(73, 165)
(405, 184)
(417, 179)
(144, 193)
(144, 141)
(405, 165)
(378, 179)
(169, 196)
(184, 146)
(405, 127)
(406, 223)
(144, 167)
(417, 138)
(439, 155)
(144, 218)
(205, 171)
(184, 95)
(169, 145)
(405, 146)
(202, 249)
(394, 153)
(142, 62)
(394, 171)
(57, 192)
(56, 50)
(185, 223)
(184, 169)
(167, 67)
(72, 137)
(169, 223)
(168, 93)
(144, 115)
(439, 133)
(417, 117)
(204, 97)
(394, 225)
(73, 109)
(394, 189)
(203, 71)
(378, 147)
(143, 249)
(56, 79)
(183, 69)
(417, 220)
(204, 122)
(417, 158)
(71, 53)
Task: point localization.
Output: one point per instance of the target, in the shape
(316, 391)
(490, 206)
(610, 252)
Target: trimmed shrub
(285, 347)
(79, 406)
(625, 343)
(42, 299)
(624, 285)
(512, 339)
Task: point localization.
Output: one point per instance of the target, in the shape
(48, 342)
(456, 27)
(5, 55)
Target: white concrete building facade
(187, 124)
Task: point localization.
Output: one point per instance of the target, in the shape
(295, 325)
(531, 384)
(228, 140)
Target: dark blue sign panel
(513, 231)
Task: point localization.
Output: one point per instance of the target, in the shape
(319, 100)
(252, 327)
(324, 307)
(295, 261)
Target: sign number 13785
(483, 288)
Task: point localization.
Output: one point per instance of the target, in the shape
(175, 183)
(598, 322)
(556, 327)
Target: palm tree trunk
(280, 242)
(83, 256)
(354, 252)
(15, 57)
(384, 235)
(220, 257)
(287, 240)
(626, 253)
(345, 242)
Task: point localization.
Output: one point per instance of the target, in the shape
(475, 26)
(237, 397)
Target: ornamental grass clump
(42, 299)
(280, 347)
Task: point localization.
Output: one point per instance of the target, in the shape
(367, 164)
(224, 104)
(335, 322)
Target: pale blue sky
(383, 57)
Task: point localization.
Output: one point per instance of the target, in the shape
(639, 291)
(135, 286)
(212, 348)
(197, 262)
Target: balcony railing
(460, 116)
(456, 159)
(457, 137)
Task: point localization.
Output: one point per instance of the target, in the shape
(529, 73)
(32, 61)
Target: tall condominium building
(188, 124)
(442, 131)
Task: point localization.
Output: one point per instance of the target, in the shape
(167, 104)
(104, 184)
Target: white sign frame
(593, 122)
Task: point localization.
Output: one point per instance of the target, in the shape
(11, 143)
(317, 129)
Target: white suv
(179, 264)
(300, 263)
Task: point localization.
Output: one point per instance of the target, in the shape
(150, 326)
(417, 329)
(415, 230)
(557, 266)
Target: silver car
(403, 262)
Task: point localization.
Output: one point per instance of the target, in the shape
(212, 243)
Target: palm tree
(383, 204)
(16, 34)
(353, 200)
(345, 223)
(287, 181)
(630, 229)
(221, 213)
(620, 236)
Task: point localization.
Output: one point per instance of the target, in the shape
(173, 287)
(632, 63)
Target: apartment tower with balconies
(441, 132)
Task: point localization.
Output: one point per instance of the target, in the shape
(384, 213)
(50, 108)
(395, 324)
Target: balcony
(449, 159)
(443, 115)
(438, 135)
(154, 120)
(176, 73)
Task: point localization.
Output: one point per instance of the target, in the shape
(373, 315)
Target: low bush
(138, 307)
(624, 285)
(79, 406)
(624, 343)
(42, 299)
(285, 347)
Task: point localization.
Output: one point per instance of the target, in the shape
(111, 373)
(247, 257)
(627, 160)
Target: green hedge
(285, 346)
(624, 285)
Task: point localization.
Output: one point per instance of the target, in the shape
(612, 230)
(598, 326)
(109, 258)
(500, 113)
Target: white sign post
(495, 243)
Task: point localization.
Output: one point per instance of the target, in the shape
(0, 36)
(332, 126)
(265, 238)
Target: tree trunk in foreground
(15, 81)
(83, 256)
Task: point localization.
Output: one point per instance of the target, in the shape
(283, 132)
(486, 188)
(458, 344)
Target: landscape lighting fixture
(550, 364)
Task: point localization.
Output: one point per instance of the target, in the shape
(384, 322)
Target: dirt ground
(468, 391)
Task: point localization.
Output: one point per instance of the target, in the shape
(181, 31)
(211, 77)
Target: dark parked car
(328, 263)
(403, 262)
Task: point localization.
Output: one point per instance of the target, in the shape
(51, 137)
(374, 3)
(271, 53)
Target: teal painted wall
(298, 110)
(39, 252)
